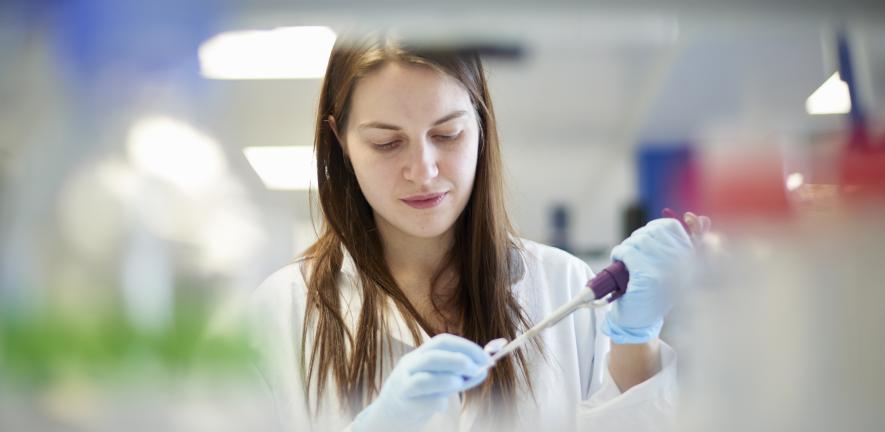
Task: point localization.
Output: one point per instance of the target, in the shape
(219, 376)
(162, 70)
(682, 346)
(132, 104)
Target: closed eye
(450, 137)
(387, 146)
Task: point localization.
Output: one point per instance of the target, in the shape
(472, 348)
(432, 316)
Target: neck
(414, 257)
(413, 263)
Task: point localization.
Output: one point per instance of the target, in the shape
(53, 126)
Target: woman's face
(412, 139)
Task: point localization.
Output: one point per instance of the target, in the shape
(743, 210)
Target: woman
(377, 326)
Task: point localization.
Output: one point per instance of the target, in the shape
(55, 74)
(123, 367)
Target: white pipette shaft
(579, 301)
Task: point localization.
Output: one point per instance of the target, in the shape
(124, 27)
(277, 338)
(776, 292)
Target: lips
(425, 201)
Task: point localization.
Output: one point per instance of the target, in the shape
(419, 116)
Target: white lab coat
(572, 385)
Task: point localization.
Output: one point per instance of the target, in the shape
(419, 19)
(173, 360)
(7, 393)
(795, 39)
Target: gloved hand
(422, 382)
(658, 257)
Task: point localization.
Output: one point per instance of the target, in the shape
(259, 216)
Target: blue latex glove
(422, 382)
(658, 257)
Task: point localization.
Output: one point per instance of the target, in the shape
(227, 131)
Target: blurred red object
(745, 185)
(862, 169)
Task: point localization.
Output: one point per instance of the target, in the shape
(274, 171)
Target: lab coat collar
(352, 292)
(350, 288)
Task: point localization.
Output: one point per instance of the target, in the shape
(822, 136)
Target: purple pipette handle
(614, 278)
(611, 280)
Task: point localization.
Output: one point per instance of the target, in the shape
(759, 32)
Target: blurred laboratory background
(156, 165)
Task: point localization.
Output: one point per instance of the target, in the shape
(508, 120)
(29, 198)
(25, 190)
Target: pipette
(607, 286)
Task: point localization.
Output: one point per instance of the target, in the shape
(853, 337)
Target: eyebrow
(379, 125)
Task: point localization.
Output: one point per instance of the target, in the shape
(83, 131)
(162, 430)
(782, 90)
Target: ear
(334, 126)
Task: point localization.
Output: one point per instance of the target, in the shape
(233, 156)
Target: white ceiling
(604, 75)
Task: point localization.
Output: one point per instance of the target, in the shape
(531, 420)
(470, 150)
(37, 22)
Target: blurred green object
(40, 349)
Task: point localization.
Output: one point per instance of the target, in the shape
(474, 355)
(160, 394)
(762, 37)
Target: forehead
(405, 93)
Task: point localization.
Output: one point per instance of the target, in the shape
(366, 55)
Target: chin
(427, 232)
(430, 229)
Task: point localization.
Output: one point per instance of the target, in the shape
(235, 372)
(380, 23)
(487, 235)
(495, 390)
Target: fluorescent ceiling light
(284, 168)
(830, 98)
(281, 53)
(175, 152)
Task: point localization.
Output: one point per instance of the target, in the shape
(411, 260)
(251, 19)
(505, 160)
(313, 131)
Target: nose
(421, 166)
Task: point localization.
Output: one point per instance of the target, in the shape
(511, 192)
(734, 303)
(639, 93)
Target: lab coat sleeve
(274, 318)
(646, 406)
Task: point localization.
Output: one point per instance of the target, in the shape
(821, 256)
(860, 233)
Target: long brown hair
(485, 255)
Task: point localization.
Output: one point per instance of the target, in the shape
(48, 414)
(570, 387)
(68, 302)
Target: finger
(706, 223)
(664, 247)
(442, 385)
(445, 361)
(668, 229)
(641, 235)
(661, 259)
(661, 254)
(668, 213)
(658, 234)
(475, 381)
(649, 244)
(696, 228)
(436, 402)
(450, 342)
(637, 233)
(433, 383)
(693, 223)
(624, 252)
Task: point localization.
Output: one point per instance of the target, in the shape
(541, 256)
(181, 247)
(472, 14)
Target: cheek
(464, 169)
(463, 165)
(374, 176)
